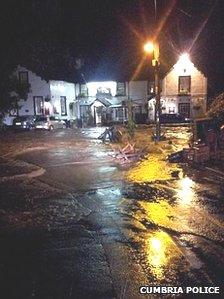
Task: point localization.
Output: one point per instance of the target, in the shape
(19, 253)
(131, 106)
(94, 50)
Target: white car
(49, 123)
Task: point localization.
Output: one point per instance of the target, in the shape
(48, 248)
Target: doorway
(184, 109)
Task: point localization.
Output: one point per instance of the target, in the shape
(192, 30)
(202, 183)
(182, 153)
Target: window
(184, 109)
(137, 109)
(84, 110)
(119, 112)
(83, 90)
(13, 112)
(184, 86)
(171, 109)
(38, 105)
(151, 87)
(121, 89)
(63, 106)
(23, 78)
(104, 90)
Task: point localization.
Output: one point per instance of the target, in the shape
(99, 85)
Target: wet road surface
(104, 236)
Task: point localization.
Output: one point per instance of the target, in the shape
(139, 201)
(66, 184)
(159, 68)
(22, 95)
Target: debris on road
(111, 134)
(128, 154)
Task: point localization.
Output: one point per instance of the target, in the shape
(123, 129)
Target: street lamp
(153, 48)
(149, 47)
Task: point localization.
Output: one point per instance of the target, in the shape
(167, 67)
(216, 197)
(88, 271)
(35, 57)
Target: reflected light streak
(164, 19)
(161, 252)
(133, 30)
(186, 193)
(156, 244)
(139, 68)
(202, 26)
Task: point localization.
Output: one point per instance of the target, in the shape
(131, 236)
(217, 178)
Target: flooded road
(123, 228)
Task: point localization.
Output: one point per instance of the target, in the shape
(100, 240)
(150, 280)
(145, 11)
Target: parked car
(173, 118)
(49, 123)
(24, 122)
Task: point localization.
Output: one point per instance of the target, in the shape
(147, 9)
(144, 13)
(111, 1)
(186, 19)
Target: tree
(11, 91)
(217, 108)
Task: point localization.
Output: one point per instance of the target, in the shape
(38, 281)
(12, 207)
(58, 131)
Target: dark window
(121, 90)
(125, 112)
(184, 109)
(184, 86)
(119, 113)
(84, 110)
(23, 78)
(137, 109)
(63, 106)
(38, 105)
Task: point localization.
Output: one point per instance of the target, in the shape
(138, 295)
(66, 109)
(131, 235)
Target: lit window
(104, 90)
(151, 87)
(184, 86)
(83, 90)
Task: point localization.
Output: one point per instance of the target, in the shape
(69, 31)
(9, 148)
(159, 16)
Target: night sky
(109, 35)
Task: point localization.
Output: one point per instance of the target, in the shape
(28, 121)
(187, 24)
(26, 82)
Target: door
(184, 109)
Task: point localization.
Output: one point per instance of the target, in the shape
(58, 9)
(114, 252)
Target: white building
(108, 100)
(184, 91)
(55, 98)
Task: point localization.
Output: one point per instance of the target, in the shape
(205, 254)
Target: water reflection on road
(173, 222)
(164, 219)
(185, 191)
(161, 252)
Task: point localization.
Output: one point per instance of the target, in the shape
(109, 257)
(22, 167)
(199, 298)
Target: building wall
(38, 87)
(198, 81)
(170, 97)
(60, 89)
(52, 90)
(138, 91)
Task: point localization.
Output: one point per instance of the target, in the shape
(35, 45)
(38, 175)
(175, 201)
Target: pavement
(74, 226)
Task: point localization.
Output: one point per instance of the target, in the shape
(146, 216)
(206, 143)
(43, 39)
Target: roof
(106, 101)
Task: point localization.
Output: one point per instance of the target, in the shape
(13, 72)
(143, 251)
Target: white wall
(198, 80)
(65, 89)
(198, 92)
(38, 87)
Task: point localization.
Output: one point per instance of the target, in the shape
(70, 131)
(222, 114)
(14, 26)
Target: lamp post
(153, 48)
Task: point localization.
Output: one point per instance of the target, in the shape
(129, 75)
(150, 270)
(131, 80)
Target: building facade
(55, 98)
(107, 102)
(183, 91)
